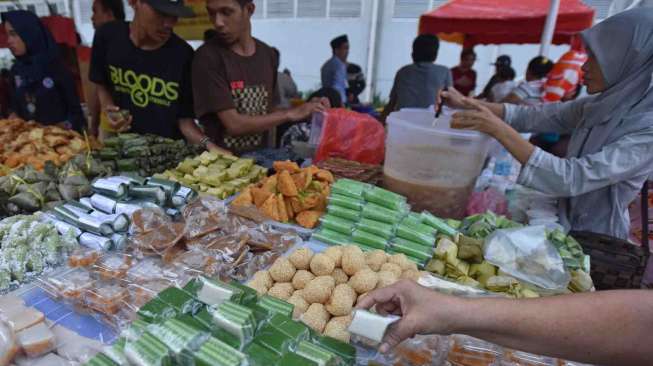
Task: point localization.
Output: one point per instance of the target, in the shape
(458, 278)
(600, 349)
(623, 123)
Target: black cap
(175, 8)
(503, 60)
(339, 41)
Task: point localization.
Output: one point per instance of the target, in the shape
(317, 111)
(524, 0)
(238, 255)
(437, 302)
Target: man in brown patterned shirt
(235, 82)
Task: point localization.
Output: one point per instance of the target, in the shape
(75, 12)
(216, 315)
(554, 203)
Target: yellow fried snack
(271, 208)
(283, 214)
(244, 199)
(260, 195)
(325, 175)
(270, 184)
(300, 179)
(286, 185)
(312, 170)
(309, 219)
(287, 165)
(289, 209)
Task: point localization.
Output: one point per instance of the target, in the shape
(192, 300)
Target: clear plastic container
(433, 165)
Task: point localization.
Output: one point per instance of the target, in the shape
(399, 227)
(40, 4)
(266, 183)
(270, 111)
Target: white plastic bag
(526, 254)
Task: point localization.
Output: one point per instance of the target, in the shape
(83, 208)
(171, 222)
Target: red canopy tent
(472, 22)
(62, 29)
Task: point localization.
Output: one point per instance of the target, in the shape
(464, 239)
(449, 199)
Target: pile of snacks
(29, 143)
(374, 218)
(347, 169)
(27, 190)
(293, 194)
(143, 155)
(28, 247)
(27, 338)
(209, 240)
(460, 258)
(101, 221)
(216, 174)
(208, 322)
(324, 287)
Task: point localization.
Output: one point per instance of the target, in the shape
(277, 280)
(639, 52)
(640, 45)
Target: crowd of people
(592, 153)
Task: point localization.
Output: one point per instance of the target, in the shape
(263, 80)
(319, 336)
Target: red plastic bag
(487, 200)
(352, 136)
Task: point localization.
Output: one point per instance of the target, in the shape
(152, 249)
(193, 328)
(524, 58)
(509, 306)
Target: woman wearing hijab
(610, 153)
(43, 89)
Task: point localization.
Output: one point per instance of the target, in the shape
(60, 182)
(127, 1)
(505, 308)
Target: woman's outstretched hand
(477, 117)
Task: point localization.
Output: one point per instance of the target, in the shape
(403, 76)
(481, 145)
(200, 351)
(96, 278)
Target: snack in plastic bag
(526, 254)
(36, 340)
(8, 344)
(106, 298)
(375, 212)
(377, 228)
(369, 240)
(181, 337)
(69, 286)
(214, 352)
(25, 319)
(337, 224)
(83, 257)
(147, 350)
(181, 301)
(386, 199)
(331, 237)
(470, 351)
(236, 320)
(346, 202)
(113, 266)
(371, 326)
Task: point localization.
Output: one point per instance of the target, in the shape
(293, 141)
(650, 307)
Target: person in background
(418, 84)
(334, 71)
(567, 74)
(5, 92)
(43, 89)
(235, 82)
(464, 77)
(502, 61)
(555, 326)
(142, 73)
(287, 87)
(104, 11)
(504, 84)
(531, 90)
(356, 84)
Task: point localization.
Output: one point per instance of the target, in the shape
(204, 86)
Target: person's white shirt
(501, 90)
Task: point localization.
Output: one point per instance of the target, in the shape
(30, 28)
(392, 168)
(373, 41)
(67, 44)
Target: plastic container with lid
(433, 165)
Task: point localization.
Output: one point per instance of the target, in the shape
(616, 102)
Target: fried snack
(339, 276)
(260, 195)
(281, 208)
(244, 199)
(336, 254)
(286, 185)
(271, 208)
(301, 279)
(322, 265)
(309, 219)
(325, 175)
(289, 166)
(301, 258)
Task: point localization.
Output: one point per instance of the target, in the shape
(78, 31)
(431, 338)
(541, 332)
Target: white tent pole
(371, 53)
(549, 28)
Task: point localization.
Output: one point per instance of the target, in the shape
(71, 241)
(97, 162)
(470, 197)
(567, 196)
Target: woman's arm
(616, 162)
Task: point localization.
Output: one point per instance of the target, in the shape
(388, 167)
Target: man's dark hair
(244, 2)
(506, 72)
(333, 95)
(116, 7)
(425, 48)
(467, 52)
(540, 67)
(339, 41)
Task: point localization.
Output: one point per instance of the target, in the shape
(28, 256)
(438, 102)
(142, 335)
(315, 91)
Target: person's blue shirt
(334, 75)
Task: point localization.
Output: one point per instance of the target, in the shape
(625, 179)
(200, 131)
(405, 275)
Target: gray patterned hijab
(623, 47)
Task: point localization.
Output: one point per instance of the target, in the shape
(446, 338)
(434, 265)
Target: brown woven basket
(615, 263)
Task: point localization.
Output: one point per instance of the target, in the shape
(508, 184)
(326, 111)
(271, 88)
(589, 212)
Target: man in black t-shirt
(144, 68)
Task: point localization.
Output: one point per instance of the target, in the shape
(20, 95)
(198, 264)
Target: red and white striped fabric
(565, 76)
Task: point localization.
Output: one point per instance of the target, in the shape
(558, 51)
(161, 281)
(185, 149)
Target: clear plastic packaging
(331, 237)
(369, 240)
(113, 266)
(69, 286)
(350, 188)
(345, 227)
(106, 298)
(346, 202)
(83, 257)
(375, 212)
(386, 199)
(343, 213)
(469, 351)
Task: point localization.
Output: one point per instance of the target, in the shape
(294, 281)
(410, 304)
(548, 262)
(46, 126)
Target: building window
(280, 9)
(345, 9)
(311, 9)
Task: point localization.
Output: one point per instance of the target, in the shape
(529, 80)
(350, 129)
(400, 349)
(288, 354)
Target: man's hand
(452, 98)
(117, 120)
(304, 111)
(478, 118)
(422, 311)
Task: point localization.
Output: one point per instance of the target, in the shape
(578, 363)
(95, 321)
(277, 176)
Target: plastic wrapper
(415, 235)
(274, 341)
(83, 257)
(386, 199)
(214, 292)
(113, 266)
(276, 306)
(84, 221)
(378, 213)
(214, 352)
(106, 298)
(419, 351)
(181, 301)
(69, 286)
(345, 351)
(377, 228)
(472, 352)
(95, 242)
(518, 358)
(8, 344)
(147, 351)
(453, 288)
(337, 224)
(526, 254)
(180, 337)
(350, 188)
(155, 242)
(331, 237)
(346, 202)
(155, 194)
(369, 240)
(110, 188)
(36, 340)
(343, 213)
(411, 249)
(370, 325)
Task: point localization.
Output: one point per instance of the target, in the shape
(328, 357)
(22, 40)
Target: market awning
(472, 22)
(62, 29)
